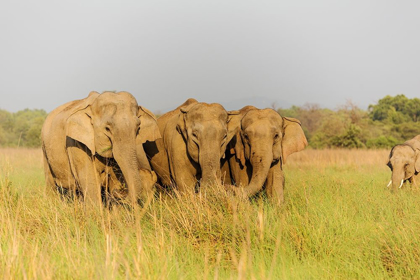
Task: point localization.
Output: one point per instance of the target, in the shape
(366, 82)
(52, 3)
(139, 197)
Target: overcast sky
(231, 52)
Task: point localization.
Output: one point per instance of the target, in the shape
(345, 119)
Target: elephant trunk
(261, 163)
(397, 178)
(210, 167)
(126, 156)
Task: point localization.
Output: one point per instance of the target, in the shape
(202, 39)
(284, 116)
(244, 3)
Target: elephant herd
(106, 145)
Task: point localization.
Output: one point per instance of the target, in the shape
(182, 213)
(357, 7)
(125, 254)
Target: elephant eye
(276, 136)
(194, 133)
(246, 137)
(137, 130)
(108, 129)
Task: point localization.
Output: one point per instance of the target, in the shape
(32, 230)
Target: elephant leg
(226, 178)
(58, 179)
(115, 183)
(240, 175)
(185, 182)
(275, 183)
(184, 177)
(118, 191)
(111, 183)
(183, 170)
(414, 181)
(148, 179)
(49, 179)
(85, 173)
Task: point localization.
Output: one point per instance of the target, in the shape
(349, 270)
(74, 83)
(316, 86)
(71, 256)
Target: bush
(381, 142)
(350, 139)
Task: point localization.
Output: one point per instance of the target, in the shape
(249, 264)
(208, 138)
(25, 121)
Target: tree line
(393, 120)
(21, 129)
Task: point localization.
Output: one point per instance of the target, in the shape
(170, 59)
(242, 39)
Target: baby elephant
(404, 162)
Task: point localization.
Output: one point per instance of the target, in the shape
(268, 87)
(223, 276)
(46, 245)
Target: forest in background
(393, 120)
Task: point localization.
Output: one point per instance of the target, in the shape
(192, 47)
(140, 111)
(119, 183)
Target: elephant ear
(233, 124)
(415, 145)
(183, 114)
(294, 139)
(236, 146)
(79, 126)
(149, 130)
(188, 105)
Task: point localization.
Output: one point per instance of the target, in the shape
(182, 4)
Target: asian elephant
(404, 162)
(96, 143)
(194, 139)
(257, 152)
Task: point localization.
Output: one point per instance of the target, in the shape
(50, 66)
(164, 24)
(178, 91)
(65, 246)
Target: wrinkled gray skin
(260, 148)
(194, 139)
(404, 162)
(97, 142)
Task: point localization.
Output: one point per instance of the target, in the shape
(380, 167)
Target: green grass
(339, 221)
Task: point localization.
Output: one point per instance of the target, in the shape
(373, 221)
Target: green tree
(397, 109)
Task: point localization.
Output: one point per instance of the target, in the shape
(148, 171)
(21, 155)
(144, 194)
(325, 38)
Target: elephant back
(414, 143)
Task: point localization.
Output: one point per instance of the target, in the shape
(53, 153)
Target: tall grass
(338, 221)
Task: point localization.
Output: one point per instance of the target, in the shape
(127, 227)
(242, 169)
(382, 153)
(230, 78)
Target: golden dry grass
(339, 221)
(342, 157)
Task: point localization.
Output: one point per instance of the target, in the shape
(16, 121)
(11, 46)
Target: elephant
(96, 143)
(404, 162)
(194, 139)
(256, 154)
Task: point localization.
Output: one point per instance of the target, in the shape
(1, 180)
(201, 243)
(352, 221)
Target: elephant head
(404, 162)
(109, 125)
(206, 130)
(265, 138)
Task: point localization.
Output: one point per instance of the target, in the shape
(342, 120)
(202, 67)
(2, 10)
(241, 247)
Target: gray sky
(232, 52)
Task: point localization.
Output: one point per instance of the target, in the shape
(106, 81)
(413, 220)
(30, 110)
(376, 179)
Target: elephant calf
(85, 141)
(256, 154)
(404, 162)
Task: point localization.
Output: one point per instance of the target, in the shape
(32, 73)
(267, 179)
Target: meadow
(339, 221)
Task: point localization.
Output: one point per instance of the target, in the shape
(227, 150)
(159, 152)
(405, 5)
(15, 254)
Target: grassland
(338, 222)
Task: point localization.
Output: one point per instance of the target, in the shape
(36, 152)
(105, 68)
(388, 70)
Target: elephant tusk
(401, 184)
(389, 184)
